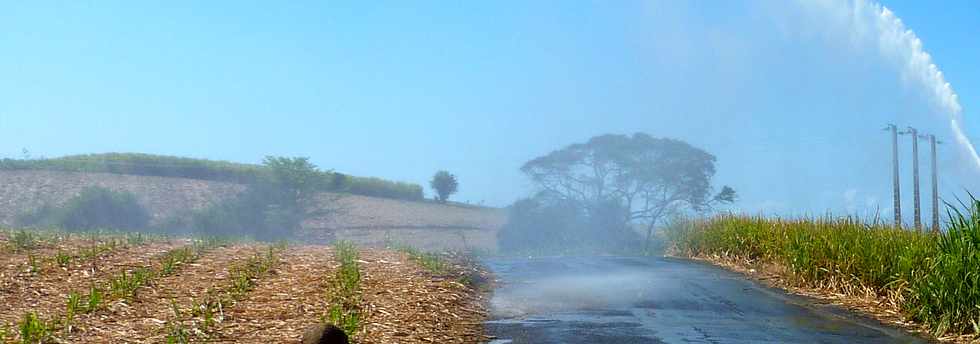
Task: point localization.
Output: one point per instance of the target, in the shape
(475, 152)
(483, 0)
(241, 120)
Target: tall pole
(935, 186)
(896, 186)
(917, 215)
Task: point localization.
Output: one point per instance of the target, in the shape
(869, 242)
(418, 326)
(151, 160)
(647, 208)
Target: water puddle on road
(653, 300)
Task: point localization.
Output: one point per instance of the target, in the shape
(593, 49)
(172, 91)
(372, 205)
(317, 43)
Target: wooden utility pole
(935, 185)
(896, 186)
(917, 214)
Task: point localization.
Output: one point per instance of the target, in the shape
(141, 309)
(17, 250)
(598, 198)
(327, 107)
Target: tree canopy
(649, 177)
(445, 184)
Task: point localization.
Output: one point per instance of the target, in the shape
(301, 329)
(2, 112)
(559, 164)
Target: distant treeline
(202, 169)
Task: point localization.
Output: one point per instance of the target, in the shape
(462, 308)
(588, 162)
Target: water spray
(900, 43)
(872, 24)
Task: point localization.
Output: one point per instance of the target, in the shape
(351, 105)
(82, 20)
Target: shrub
(814, 249)
(270, 209)
(93, 208)
(264, 211)
(376, 187)
(553, 226)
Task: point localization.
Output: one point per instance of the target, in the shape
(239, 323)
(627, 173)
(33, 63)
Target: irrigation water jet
(903, 48)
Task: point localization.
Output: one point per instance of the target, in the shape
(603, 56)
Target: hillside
(378, 221)
(25, 190)
(209, 170)
(365, 220)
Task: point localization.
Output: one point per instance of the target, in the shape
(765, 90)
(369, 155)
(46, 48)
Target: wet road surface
(658, 300)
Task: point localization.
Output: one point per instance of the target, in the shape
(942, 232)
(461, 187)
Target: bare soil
(401, 302)
(143, 319)
(405, 304)
(372, 221)
(285, 303)
(45, 292)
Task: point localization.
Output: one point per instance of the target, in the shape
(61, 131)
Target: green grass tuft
(946, 293)
(23, 240)
(345, 299)
(62, 259)
(935, 278)
(125, 284)
(34, 330)
(94, 299)
(177, 334)
(432, 262)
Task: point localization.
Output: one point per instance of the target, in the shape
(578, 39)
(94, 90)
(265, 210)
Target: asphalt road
(658, 300)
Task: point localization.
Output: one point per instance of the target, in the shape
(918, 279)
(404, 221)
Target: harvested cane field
(130, 288)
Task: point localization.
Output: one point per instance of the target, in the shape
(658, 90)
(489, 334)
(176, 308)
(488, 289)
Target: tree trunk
(646, 244)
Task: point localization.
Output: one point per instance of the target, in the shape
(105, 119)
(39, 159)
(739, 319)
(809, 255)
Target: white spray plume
(896, 43)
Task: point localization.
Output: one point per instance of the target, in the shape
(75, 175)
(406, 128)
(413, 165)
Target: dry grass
(285, 303)
(46, 292)
(401, 301)
(144, 317)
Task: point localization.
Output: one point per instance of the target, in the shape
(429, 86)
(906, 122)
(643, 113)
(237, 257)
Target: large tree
(650, 177)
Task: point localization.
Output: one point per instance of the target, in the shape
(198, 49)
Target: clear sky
(400, 89)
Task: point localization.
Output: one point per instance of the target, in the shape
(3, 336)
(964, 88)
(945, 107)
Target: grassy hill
(210, 170)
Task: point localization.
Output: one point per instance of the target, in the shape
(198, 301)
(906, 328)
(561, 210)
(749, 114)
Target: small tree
(445, 184)
(272, 207)
(297, 178)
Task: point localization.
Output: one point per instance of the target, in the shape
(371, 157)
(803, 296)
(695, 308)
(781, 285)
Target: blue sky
(401, 89)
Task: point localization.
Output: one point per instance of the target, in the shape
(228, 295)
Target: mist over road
(657, 300)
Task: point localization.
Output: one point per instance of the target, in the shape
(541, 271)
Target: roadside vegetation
(931, 279)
